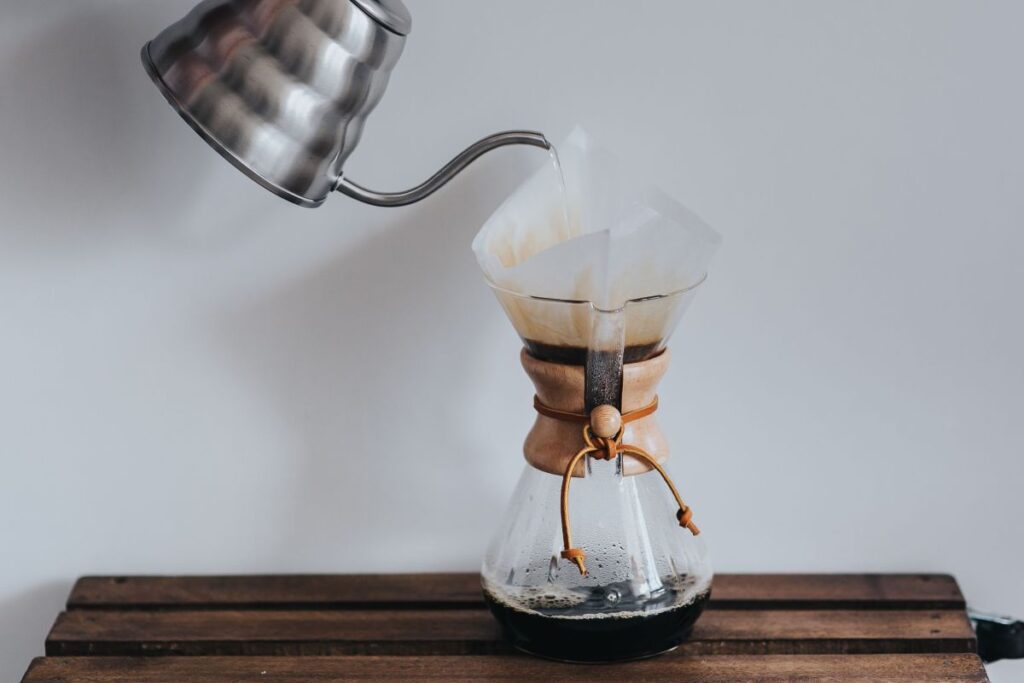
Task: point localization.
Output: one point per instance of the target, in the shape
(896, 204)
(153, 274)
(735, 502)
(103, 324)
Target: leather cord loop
(584, 418)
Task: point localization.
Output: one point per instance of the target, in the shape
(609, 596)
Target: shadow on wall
(78, 133)
(380, 335)
(25, 619)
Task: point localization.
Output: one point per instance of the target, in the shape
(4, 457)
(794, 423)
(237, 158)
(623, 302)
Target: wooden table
(436, 627)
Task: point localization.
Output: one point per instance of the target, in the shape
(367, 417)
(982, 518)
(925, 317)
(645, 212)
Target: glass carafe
(597, 557)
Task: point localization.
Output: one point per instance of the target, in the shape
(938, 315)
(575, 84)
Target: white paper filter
(610, 241)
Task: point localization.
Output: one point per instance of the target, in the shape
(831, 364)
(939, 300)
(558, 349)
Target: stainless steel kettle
(282, 88)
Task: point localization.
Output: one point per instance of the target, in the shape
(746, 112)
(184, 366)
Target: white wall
(198, 377)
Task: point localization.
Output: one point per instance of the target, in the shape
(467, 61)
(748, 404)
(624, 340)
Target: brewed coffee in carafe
(598, 556)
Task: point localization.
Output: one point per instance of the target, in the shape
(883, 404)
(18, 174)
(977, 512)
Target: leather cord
(607, 449)
(584, 418)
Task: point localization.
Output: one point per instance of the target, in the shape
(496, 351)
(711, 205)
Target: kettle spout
(447, 172)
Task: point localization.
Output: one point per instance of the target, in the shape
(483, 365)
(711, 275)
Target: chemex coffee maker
(598, 557)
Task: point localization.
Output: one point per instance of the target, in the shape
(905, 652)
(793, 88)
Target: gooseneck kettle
(282, 88)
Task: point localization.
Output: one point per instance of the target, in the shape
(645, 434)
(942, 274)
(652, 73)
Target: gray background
(198, 377)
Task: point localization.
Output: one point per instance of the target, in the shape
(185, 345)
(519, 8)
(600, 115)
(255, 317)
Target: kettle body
(281, 88)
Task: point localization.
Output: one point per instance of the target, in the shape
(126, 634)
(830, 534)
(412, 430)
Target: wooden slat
(334, 591)
(837, 591)
(724, 669)
(469, 632)
(410, 591)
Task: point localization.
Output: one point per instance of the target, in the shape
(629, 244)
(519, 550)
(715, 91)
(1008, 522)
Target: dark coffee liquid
(603, 624)
(604, 368)
(577, 355)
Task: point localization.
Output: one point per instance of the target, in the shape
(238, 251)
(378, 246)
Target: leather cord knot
(607, 449)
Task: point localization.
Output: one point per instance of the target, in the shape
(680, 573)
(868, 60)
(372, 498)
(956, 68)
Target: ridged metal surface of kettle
(282, 88)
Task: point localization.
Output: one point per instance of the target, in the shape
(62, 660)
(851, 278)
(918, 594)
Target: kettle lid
(391, 14)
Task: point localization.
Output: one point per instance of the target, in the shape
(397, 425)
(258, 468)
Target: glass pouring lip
(642, 299)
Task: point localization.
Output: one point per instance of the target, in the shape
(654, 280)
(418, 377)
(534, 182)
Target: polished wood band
(556, 436)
